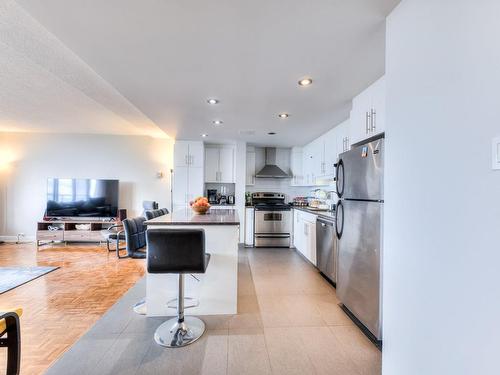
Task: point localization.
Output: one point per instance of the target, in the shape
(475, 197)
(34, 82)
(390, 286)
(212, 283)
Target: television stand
(49, 231)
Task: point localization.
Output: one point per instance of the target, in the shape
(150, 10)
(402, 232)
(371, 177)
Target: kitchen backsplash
(279, 186)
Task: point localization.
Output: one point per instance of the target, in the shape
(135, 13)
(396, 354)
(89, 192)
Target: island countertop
(188, 217)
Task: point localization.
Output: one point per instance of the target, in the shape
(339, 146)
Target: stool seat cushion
(176, 251)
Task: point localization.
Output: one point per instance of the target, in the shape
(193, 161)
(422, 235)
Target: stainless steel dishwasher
(326, 248)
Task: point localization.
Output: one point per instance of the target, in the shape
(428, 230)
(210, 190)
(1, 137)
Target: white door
(211, 164)
(298, 231)
(297, 167)
(180, 186)
(360, 120)
(226, 164)
(195, 183)
(310, 246)
(379, 106)
(196, 153)
(181, 154)
(330, 146)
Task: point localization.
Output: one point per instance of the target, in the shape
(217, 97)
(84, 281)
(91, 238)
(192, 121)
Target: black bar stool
(177, 251)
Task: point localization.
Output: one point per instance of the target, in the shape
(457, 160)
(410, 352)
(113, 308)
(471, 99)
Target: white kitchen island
(217, 289)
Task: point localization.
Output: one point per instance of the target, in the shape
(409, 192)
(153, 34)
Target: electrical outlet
(495, 151)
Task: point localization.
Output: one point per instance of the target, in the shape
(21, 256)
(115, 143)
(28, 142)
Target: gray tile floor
(288, 322)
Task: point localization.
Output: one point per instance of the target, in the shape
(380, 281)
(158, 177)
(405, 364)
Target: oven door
(273, 222)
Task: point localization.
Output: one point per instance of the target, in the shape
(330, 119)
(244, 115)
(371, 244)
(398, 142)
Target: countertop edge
(329, 215)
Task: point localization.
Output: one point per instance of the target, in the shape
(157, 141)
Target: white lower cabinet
(304, 234)
(298, 233)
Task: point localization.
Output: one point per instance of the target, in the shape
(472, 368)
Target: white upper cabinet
(368, 112)
(379, 94)
(296, 166)
(331, 152)
(219, 163)
(211, 164)
(188, 153)
(226, 164)
(343, 138)
(250, 166)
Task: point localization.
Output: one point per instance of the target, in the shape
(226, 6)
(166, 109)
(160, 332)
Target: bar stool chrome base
(173, 334)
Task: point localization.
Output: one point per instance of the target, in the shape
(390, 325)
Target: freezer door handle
(339, 178)
(339, 219)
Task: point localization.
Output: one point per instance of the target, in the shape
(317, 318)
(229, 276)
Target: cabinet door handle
(374, 120)
(366, 122)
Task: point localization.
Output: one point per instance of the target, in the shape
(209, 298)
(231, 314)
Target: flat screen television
(82, 198)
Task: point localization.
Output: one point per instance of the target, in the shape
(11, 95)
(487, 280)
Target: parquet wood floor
(62, 305)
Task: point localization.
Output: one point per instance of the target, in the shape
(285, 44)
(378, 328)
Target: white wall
(28, 159)
(442, 229)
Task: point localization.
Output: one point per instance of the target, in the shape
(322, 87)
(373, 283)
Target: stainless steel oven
(273, 220)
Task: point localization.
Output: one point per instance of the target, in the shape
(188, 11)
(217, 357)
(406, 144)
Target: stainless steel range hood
(271, 170)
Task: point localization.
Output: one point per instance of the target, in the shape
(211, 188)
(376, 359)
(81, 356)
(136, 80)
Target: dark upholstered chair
(178, 251)
(135, 237)
(151, 214)
(10, 337)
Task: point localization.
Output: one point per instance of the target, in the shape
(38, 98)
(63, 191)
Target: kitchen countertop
(324, 214)
(188, 217)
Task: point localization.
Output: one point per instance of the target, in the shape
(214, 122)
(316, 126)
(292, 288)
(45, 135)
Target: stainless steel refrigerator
(360, 210)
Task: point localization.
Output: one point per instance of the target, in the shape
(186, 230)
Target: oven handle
(272, 236)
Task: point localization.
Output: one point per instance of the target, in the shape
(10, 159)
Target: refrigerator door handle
(339, 178)
(339, 227)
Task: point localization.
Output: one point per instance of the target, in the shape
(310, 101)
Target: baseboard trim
(13, 239)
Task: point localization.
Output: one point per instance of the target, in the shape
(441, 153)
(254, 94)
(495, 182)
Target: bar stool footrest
(172, 304)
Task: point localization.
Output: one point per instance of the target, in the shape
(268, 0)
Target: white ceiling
(142, 64)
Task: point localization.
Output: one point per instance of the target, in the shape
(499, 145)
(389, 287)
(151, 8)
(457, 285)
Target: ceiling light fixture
(271, 133)
(218, 122)
(283, 115)
(305, 82)
(212, 101)
(204, 135)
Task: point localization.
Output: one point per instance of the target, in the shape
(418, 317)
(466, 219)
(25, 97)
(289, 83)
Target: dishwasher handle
(324, 222)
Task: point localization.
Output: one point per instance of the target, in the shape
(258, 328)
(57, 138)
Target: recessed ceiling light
(271, 133)
(305, 82)
(218, 122)
(212, 101)
(283, 115)
(204, 135)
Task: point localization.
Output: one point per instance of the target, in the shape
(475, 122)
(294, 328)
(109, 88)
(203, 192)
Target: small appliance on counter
(248, 199)
(230, 199)
(222, 199)
(300, 202)
(212, 196)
